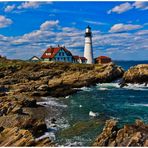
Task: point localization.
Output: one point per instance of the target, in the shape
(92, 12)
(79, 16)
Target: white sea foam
(93, 114)
(75, 141)
(62, 123)
(108, 85)
(139, 104)
(85, 88)
(67, 97)
(50, 101)
(136, 86)
(80, 105)
(50, 135)
(102, 88)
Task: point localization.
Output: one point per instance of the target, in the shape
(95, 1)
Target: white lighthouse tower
(88, 51)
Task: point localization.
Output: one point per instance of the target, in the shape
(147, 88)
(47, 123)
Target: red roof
(76, 57)
(83, 58)
(53, 52)
(103, 57)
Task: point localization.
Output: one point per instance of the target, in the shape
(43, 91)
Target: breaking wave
(108, 86)
(138, 104)
(50, 101)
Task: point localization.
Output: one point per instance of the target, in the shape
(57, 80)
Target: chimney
(58, 45)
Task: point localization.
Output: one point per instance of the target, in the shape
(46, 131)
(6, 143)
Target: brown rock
(129, 135)
(137, 74)
(18, 137)
(36, 126)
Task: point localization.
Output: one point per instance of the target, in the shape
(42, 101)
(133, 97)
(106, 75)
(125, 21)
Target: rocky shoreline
(130, 135)
(23, 83)
(136, 74)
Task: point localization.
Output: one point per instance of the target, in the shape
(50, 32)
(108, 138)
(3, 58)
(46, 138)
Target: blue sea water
(109, 101)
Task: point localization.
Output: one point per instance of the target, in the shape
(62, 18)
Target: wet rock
(109, 132)
(137, 74)
(53, 120)
(19, 137)
(129, 135)
(43, 87)
(17, 110)
(1, 75)
(36, 126)
(29, 103)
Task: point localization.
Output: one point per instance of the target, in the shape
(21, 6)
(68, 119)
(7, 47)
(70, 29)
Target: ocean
(76, 126)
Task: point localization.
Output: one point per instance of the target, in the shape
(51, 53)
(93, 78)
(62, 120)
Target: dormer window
(48, 53)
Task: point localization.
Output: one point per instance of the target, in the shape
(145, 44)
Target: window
(62, 53)
(48, 53)
(59, 53)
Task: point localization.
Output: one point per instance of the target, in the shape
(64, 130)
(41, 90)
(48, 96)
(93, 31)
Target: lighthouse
(88, 51)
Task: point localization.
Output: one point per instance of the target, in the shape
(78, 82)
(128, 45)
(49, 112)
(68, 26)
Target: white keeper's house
(61, 54)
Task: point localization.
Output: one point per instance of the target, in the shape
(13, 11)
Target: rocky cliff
(21, 119)
(18, 124)
(54, 79)
(136, 74)
(130, 135)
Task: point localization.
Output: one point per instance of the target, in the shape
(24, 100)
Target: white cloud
(9, 8)
(141, 5)
(94, 22)
(31, 4)
(48, 25)
(128, 6)
(142, 32)
(36, 42)
(124, 27)
(121, 8)
(4, 22)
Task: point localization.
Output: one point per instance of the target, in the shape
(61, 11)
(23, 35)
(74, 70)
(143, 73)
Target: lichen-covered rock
(19, 137)
(44, 79)
(36, 126)
(136, 74)
(29, 103)
(130, 135)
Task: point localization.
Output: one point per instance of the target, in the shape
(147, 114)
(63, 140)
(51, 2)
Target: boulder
(137, 74)
(130, 135)
(16, 137)
(34, 125)
(43, 87)
(29, 103)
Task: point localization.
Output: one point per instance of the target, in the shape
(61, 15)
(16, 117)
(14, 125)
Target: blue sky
(120, 29)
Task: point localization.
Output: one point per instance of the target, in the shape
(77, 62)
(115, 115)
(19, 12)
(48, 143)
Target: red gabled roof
(103, 57)
(53, 52)
(76, 57)
(82, 58)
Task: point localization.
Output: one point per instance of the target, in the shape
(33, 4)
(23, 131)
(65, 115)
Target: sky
(120, 29)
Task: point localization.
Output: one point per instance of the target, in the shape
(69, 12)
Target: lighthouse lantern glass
(87, 30)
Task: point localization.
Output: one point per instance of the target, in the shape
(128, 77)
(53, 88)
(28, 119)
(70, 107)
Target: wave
(75, 141)
(50, 135)
(136, 86)
(50, 101)
(53, 128)
(102, 88)
(140, 104)
(108, 86)
(86, 88)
